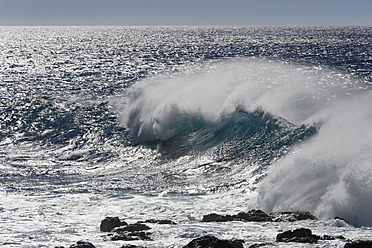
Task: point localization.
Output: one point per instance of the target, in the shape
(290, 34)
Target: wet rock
(302, 235)
(130, 236)
(359, 244)
(132, 246)
(161, 222)
(344, 220)
(132, 228)
(213, 242)
(109, 223)
(292, 216)
(252, 215)
(328, 237)
(131, 232)
(260, 216)
(257, 245)
(82, 244)
(217, 218)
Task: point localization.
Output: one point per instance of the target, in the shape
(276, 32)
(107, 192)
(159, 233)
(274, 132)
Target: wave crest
(218, 89)
(225, 107)
(239, 135)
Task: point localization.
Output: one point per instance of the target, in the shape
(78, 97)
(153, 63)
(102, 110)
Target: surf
(214, 106)
(331, 175)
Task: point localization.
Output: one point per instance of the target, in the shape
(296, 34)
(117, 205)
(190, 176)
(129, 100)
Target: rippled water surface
(178, 121)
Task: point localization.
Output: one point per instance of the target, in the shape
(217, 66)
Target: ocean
(179, 122)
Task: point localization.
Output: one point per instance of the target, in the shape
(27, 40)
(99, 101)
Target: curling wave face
(237, 136)
(257, 110)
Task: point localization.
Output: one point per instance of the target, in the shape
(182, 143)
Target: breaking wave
(303, 131)
(239, 135)
(331, 175)
(260, 108)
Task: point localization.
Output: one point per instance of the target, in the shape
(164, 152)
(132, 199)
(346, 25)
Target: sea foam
(329, 175)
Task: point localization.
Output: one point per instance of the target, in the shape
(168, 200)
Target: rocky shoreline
(117, 229)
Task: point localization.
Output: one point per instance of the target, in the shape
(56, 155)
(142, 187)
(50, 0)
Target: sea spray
(327, 175)
(331, 174)
(292, 92)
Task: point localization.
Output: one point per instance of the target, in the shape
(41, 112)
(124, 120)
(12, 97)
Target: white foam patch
(50, 221)
(331, 175)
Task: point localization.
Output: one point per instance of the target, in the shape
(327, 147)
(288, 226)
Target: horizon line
(182, 25)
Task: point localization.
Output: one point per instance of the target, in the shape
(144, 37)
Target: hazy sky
(186, 12)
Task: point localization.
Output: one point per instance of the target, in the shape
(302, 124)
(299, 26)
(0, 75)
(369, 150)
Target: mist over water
(331, 174)
(292, 92)
(328, 174)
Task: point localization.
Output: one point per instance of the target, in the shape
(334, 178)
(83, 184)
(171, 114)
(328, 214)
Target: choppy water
(274, 118)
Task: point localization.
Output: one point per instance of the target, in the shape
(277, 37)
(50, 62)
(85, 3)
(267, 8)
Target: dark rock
(302, 235)
(110, 223)
(200, 242)
(254, 215)
(132, 228)
(344, 220)
(217, 218)
(130, 236)
(292, 216)
(304, 215)
(82, 244)
(132, 246)
(257, 245)
(131, 232)
(260, 216)
(327, 237)
(161, 222)
(213, 242)
(225, 244)
(359, 244)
